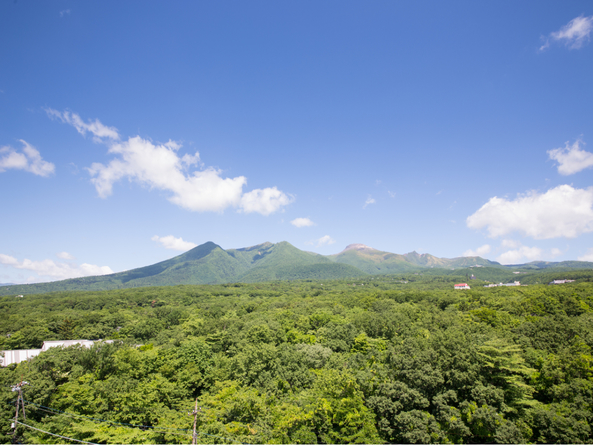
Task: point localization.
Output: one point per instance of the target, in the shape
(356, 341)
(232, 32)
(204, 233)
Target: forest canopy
(383, 359)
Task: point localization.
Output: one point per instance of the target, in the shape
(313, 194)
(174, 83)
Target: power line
(155, 428)
(96, 419)
(57, 435)
(129, 425)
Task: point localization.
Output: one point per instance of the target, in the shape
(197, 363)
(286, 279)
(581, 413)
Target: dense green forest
(380, 359)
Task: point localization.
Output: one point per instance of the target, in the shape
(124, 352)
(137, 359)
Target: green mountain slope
(373, 261)
(210, 264)
(323, 271)
(428, 260)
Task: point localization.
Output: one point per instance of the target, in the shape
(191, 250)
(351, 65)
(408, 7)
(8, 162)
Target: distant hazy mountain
(210, 264)
(374, 261)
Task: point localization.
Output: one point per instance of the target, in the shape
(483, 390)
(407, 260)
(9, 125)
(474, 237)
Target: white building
(561, 281)
(17, 356)
(461, 286)
(20, 355)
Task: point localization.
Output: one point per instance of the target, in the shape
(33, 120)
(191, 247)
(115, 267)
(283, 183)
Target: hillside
(211, 264)
(374, 261)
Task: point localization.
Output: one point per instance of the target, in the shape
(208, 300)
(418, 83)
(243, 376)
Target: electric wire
(130, 425)
(155, 428)
(96, 419)
(57, 435)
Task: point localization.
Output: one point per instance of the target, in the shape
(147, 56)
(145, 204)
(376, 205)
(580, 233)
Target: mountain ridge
(209, 263)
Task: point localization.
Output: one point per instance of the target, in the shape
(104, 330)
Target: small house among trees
(461, 286)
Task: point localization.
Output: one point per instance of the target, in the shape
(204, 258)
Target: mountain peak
(357, 247)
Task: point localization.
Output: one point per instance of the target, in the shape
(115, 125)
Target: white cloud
(554, 252)
(302, 222)
(98, 130)
(64, 12)
(64, 256)
(160, 166)
(57, 271)
(264, 201)
(29, 160)
(170, 242)
(571, 159)
(521, 254)
(391, 194)
(574, 34)
(588, 256)
(323, 241)
(480, 251)
(560, 212)
(369, 201)
(510, 243)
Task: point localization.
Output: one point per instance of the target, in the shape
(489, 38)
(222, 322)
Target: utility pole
(194, 413)
(18, 388)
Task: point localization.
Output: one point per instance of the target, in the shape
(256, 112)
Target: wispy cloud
(571, 158)
(96, 128)
(587, 256)
(323, 241)
(480, 251)
(302, 222)
(573, 35)
(170, 242)
(29, 160)
(57, 271)
(563, 211)
(159, 166)
(369, 201)
(510, 244)
(64, 12)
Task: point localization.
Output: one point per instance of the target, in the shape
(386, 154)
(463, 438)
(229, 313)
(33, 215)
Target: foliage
(392, 359)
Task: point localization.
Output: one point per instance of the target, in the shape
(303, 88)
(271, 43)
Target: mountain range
(211, 264)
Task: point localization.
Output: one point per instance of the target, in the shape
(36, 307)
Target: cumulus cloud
(521, 254)
(96, 128)
(64, 256)
(480, 251)
(159, 166)
(302, 222)
(573, 35)
(323, 241)
(264, 201)
(563, 211)
(369, 201)
(571, 158)
(29, 160)
(170, 242)
(53, 270)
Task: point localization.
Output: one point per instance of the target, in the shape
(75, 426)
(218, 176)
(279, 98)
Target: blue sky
(131, 131)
